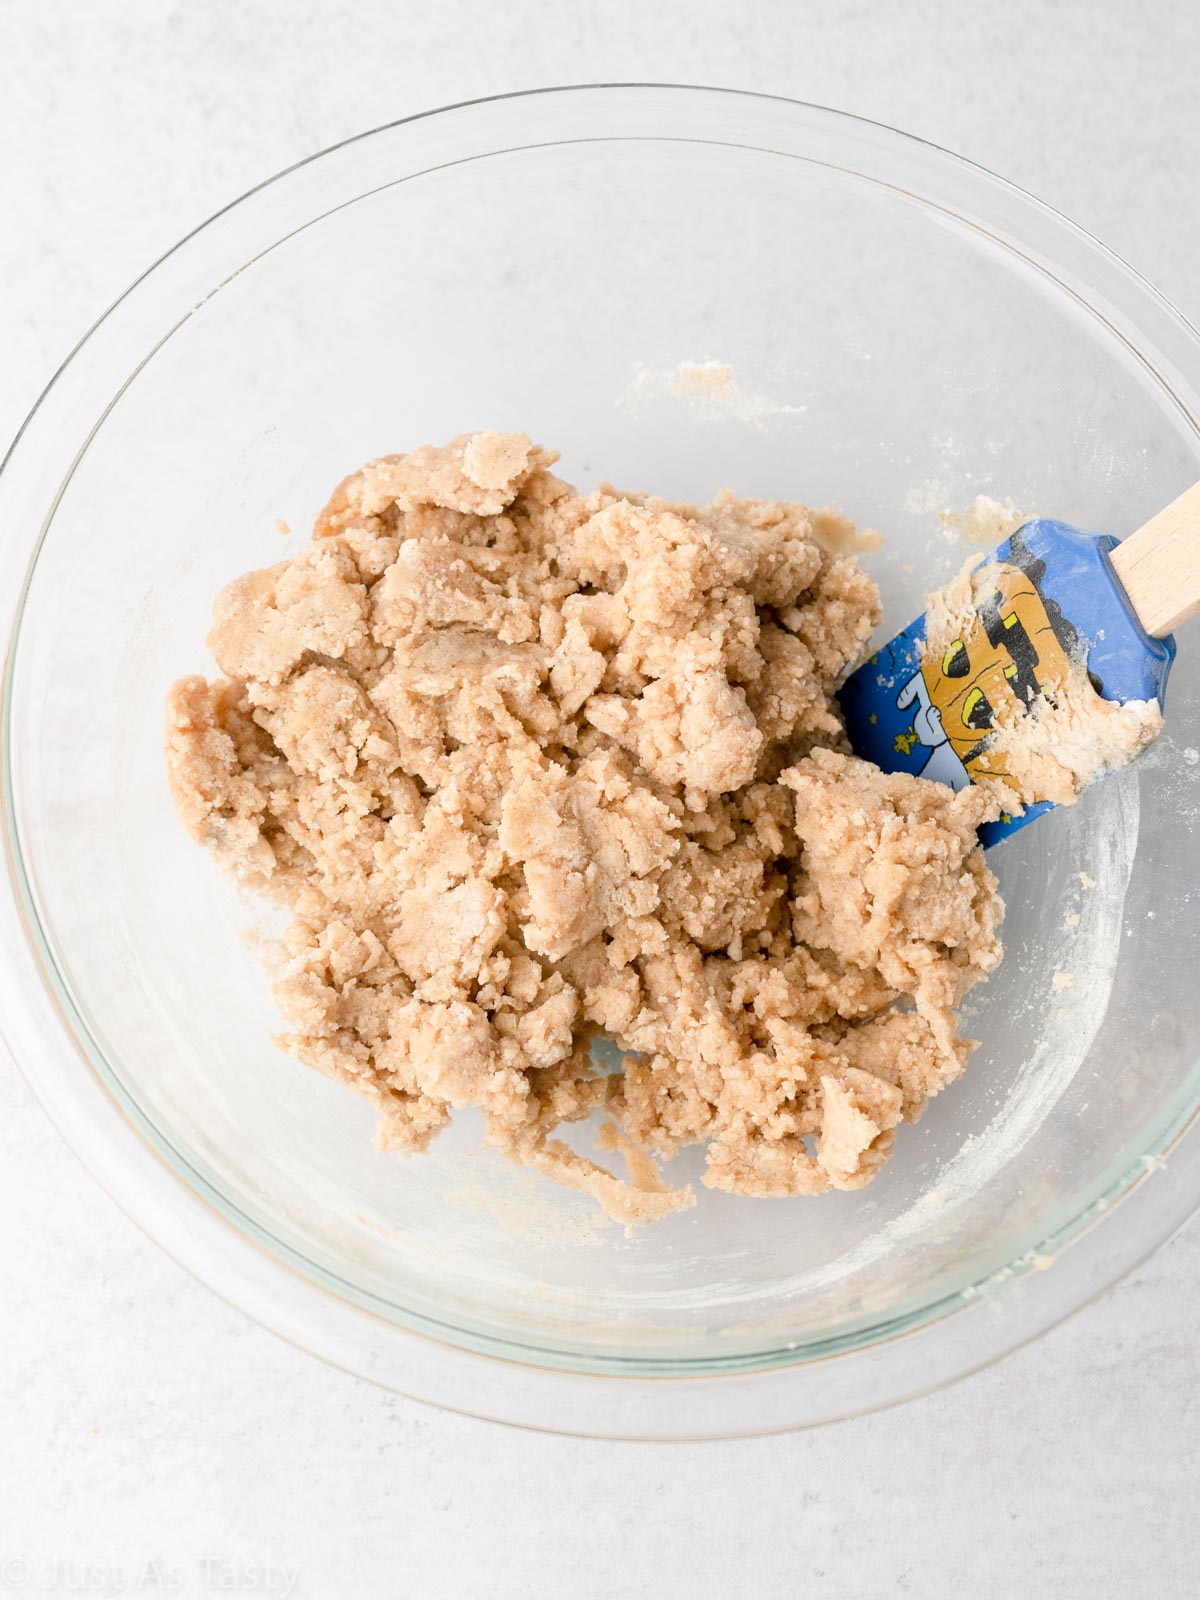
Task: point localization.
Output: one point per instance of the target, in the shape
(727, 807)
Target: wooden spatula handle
(1159, 565)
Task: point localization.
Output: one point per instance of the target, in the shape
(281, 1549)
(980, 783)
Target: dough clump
(526, 766)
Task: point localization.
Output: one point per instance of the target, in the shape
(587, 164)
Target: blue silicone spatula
(1057, 592)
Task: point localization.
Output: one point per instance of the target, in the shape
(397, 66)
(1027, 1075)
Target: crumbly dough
(1066, 738)
(526, 765)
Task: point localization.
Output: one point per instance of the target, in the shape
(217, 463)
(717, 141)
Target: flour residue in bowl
(711, 390)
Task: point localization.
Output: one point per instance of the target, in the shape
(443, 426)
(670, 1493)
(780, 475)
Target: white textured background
(140, 1418)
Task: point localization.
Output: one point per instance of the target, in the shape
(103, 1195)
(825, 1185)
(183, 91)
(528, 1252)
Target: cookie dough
(526, 765)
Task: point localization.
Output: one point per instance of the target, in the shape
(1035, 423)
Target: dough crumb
(704, 377)
(529, 767)
(985, 521)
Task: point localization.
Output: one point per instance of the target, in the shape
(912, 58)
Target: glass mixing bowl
(904, 331)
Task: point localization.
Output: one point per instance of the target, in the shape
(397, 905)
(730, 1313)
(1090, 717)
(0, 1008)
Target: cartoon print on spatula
(1053, 613)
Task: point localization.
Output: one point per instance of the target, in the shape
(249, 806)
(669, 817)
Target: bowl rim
(64, 1103)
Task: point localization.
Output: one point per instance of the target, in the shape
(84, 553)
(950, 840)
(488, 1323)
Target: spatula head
(1056, 595)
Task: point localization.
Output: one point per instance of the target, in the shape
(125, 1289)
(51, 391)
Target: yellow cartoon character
(1014, 648)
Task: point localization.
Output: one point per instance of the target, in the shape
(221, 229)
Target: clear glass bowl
(905, 331)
